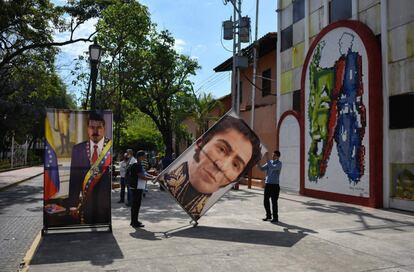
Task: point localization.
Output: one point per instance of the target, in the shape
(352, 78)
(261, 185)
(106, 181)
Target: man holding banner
(90, 181)
(220, 157)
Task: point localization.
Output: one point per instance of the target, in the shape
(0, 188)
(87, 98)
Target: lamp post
(94, 56)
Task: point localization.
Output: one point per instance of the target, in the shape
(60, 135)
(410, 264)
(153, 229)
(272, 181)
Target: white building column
(325, 13)
(385, 95)
(278, 62)
(355, 9)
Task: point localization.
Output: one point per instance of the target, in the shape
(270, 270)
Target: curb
(20, 181)
(20, 167)
(24, 265)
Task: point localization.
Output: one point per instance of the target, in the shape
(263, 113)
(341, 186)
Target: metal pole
(94, 74)
(233, 72)
(249, 182)
(26, 145)
(254, 67)
(238, 54)
(12, 151)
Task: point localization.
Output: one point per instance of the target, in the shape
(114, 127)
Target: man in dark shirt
(136, 178)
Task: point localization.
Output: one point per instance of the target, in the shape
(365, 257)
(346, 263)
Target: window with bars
(266, 82)
(296, 101)
(286, 38)
(401, 111)
(340, 10)
(298, 10)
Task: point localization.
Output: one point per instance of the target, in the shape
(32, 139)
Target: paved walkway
(11, 178)
(313, 235)
(20, 218)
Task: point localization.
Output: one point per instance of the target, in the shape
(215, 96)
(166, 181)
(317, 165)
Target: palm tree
(204, 104)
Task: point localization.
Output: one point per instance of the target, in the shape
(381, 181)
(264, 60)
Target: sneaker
(274, 220)
(137, 225)
(266, 218)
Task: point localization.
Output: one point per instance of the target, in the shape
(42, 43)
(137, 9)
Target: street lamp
(94, 56)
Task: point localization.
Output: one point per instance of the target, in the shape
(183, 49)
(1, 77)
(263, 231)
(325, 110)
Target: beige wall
(265, 109)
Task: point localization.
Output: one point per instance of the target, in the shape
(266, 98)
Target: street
(312, 235)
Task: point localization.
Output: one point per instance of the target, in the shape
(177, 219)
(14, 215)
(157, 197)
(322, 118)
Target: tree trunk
(168, 142)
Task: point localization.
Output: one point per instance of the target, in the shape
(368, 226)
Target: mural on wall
(336, 99)
(336, 111)
(342, 118)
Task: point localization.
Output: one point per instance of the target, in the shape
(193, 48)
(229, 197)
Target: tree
(203, 105)
(29, 25)
(30, 89)
(159, 82)
(140, 132)
(122, 31)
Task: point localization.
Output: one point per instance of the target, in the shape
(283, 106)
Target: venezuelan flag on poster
(51, 172)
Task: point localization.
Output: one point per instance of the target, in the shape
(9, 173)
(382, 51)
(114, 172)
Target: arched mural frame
(375, 115)
(296, 115)
(282, 118)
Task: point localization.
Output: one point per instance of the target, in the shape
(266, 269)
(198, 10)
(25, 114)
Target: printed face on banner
(77, 162)
(96, 130)
(207, 169)
(220, 161)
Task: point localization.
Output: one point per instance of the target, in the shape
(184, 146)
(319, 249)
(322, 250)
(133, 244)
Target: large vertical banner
(77, 176)
(341, 85)
(211, 165)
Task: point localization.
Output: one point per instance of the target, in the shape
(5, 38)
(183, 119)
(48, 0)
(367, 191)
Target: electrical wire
(216, 83)
(257, 87)
(213, 81)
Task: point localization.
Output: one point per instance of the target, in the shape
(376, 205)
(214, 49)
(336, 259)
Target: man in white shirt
(122, 172)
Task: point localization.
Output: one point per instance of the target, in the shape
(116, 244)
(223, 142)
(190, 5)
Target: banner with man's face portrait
(77, 168)
(211, 165)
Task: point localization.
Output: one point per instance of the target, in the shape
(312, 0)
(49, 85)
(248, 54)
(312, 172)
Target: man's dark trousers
(135, 205)
(271, 191)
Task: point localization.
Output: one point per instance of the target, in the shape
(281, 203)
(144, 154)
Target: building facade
(264, 90)
(345, 83)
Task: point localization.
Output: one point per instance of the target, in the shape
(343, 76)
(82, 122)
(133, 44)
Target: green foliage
(203, 105)
(142, 71)
(160, 85)
(29, 89)
(28, 81)
(140, 132)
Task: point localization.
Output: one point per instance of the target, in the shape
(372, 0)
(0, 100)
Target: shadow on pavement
(363, 216)
(239, 195)
(249, 236)
(146, 235)
(288, 228)
(101, 249)
(21, 194)
(156, 207)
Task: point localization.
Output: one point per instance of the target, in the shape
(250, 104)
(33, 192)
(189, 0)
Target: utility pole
(238, 55)
(240, 28)
(255, 45)
(233, 72)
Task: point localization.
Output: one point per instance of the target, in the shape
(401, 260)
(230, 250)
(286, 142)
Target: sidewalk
(313, 235)
(13, 177)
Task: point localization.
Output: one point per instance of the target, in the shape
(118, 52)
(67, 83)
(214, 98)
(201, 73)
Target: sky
(197, 28)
